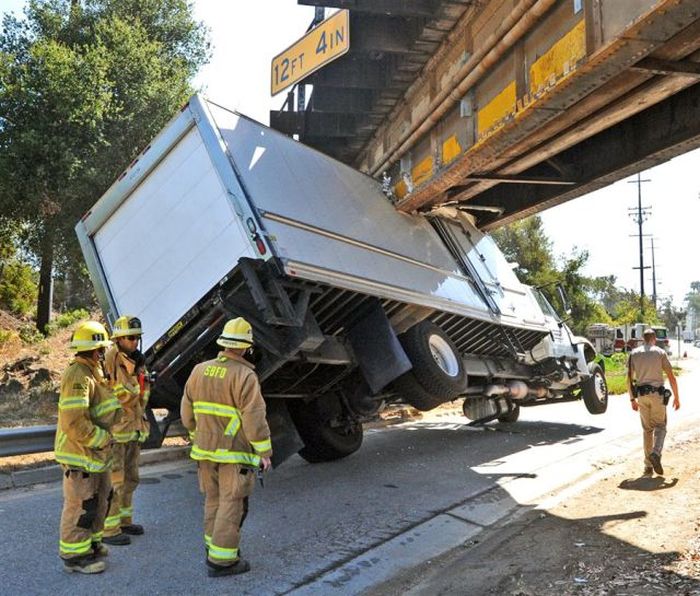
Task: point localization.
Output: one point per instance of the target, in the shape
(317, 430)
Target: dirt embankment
(30, 373)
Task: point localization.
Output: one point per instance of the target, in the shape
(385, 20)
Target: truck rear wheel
(438, 373)
(595, 390)
(328, 431)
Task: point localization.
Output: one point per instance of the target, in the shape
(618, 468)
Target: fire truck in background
(628, 337)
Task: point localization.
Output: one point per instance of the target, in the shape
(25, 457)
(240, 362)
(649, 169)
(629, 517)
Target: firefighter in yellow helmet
(86, 411)
(224, 411)
(126, 371)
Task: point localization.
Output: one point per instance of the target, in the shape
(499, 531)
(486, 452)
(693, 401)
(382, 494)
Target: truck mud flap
(285, 438)
(378, 352)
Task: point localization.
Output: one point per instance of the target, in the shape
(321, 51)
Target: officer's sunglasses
(131, 337)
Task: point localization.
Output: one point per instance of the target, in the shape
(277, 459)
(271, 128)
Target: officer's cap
(649, 331)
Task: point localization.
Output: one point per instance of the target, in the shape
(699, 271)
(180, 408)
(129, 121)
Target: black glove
(138, 358)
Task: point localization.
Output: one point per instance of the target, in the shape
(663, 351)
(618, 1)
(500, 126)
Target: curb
(53, 473)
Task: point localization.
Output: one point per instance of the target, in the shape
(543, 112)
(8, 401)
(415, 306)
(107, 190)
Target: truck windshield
(544, 304)
(661, 332)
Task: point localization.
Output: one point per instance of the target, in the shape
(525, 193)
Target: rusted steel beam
(402, 8)
(344, 101)
(511, 180)
(385, 34)
(649, 138)
(353, 74)
(666, 67)
(620, 98)
(565, 105)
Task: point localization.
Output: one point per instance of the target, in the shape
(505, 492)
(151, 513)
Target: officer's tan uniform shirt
(225, 434)
(648, 363)
(131, 425)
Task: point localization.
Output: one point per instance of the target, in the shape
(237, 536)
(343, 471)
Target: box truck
(353, 304)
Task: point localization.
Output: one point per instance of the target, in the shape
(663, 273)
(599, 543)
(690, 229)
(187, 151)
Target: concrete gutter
(52, 473)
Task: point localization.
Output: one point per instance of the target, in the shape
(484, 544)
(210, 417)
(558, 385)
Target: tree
(525, 242)
(83, 88)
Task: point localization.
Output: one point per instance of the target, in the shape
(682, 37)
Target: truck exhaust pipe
(515, 390)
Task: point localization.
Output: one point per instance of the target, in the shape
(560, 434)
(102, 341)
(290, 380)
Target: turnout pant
(226, 491)
(652, 413)
(85, 503)
(125, 479)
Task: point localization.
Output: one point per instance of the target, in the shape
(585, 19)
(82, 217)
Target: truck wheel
(512, 415)
(595, 390)
(328, 432)
(438, 373)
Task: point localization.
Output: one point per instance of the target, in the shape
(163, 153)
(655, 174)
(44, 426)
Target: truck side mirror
(564, 299)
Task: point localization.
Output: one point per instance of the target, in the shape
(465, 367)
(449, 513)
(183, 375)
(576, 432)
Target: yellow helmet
(126, 325)
(237, 333)
(89, 336)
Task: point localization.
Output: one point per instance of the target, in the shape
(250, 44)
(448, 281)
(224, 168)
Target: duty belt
(646, 389)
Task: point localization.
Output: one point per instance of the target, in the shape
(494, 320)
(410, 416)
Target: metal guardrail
(38, 439)
(30, 439)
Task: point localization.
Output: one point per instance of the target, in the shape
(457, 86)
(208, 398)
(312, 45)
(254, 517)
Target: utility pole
(653, 272)
(640, 215)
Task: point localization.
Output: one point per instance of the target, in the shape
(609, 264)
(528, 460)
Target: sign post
(326, 42)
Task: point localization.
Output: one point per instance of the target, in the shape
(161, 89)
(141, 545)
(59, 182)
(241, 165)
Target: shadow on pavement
(648, 484)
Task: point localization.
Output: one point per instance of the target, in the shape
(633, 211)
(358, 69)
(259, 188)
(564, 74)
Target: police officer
(646, 366)
(224, 411)
(86, 410)
(125, 368)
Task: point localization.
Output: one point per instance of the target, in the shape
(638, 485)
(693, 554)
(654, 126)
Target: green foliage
(30, 335)
(18, 288)
(6, 336)
(525, 243)
(67, 319)
(83, 87)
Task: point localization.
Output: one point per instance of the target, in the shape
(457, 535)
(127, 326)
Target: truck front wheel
(329, 432)
(595, 390)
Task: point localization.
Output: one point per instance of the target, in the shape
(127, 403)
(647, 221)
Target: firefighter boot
(118, 540)
(240, 566)
(87, 565)
(133, 529)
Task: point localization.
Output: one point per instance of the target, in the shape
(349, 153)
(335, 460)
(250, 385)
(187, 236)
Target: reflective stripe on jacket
(224, 411)
(86, 410)
(131, 425)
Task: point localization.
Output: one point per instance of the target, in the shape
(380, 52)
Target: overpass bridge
(505, 107)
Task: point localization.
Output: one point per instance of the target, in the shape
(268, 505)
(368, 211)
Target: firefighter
(125, 368)
(224, 411)
(86, 410)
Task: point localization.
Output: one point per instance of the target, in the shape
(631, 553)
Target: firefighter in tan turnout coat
(224, 411)
(86, 411)
(126, 372)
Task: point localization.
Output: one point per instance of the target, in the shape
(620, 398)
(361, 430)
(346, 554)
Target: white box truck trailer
(353, 304)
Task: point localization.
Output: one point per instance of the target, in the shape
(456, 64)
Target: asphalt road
(311, 519)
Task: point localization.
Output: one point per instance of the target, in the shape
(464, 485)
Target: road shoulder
(615, 533)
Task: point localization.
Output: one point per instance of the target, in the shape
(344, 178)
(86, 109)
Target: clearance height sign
(326, 42)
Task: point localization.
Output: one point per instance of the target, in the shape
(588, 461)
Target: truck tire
(511, 416)
(322, 440)
(595, 390)
(438, 373)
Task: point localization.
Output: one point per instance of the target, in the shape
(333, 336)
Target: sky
(247, 34)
